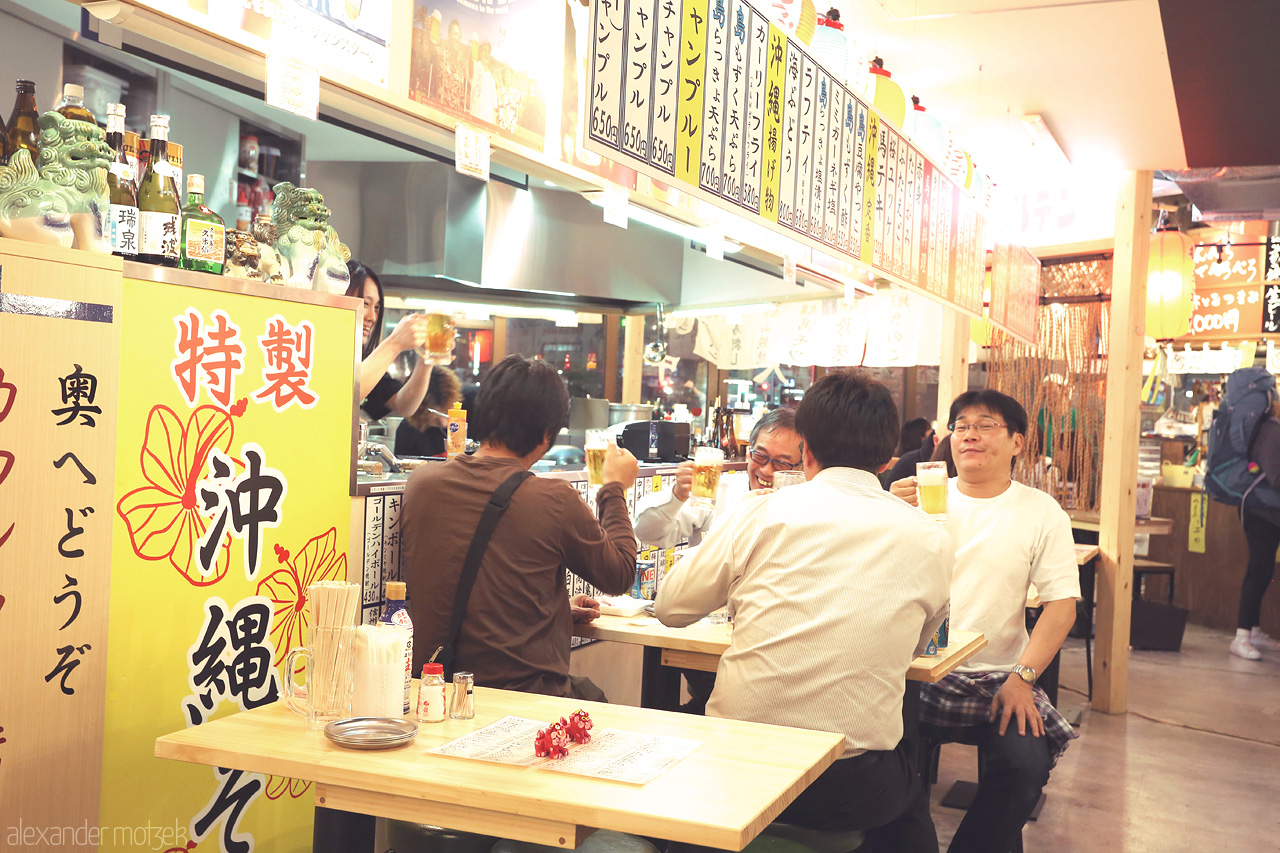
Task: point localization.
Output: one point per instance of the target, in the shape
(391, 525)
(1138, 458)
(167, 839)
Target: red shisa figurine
(578, 726)
(551, 742)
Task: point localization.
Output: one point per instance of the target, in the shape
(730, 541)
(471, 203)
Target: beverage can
(943, 636)
(932, 649)
(646, 583)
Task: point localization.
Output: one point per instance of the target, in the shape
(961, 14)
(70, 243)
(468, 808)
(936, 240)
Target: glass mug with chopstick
(707, 462)
(931, 487)
(596, 446)
(782, 479)
(326, 692)
(441, 329)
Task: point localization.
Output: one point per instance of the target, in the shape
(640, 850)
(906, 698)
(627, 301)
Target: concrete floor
(1193, 766)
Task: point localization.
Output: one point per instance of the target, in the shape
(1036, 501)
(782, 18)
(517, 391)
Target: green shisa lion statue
(311, 255)
(61, 199)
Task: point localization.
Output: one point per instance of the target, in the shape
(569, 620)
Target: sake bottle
(159, 211)
(204, 235)
(122, 222)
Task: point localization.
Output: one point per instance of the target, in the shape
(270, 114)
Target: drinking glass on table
(782, 479)
(596, 445)
(931, 486)
(707, 462)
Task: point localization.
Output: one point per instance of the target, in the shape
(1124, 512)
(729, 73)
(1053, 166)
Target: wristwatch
(1025, 672)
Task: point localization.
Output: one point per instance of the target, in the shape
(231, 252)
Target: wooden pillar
(1120, 443)
(633, 358)
(953, 369)
(611, 324)
(499, 339)
(910, 393)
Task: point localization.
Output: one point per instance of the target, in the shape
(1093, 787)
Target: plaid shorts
(961, 700)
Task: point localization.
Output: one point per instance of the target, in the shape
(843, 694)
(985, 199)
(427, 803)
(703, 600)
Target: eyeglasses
(760, 458)
(984, 428)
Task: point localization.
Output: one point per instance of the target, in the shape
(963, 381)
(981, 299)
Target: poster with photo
(491, 63)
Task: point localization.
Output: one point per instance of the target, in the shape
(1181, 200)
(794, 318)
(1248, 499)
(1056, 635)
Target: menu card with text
(611, 754)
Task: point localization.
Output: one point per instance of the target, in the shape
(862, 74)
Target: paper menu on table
(615, 755)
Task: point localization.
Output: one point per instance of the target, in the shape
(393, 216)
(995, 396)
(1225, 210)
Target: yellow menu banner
(231, 498)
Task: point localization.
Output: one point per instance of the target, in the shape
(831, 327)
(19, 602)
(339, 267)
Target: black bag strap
(493, 510)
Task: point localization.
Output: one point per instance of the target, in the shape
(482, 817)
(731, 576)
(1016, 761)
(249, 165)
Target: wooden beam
(633, 358)
(1120, 443)
(953, 370)
(499, 339)
(910, 392)
(610, 365)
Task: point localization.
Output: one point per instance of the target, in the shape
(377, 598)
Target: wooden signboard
(59, 354)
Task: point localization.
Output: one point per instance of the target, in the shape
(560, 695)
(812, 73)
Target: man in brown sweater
(518, 621)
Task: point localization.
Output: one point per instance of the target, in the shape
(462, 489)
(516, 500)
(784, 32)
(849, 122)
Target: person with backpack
(1244, 470)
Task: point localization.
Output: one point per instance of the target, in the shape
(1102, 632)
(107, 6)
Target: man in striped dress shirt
(834, 586)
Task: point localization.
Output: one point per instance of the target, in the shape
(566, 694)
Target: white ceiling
(1097, 71)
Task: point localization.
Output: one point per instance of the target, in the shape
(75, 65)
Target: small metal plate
(371, 732)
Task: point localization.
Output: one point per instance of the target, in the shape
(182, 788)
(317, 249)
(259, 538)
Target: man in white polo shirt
(834, 586)
(1006, 536)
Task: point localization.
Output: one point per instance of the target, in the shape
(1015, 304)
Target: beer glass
(440, 331)
(597, 444)
(707, 462)
(782, 479)
(326, 695)
(931, 487)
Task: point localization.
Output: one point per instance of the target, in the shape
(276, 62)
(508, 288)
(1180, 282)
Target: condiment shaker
(431, 694)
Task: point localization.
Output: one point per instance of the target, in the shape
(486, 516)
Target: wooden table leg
(336, 831)
(659, 685)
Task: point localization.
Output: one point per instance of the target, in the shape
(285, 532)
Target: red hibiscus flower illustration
(278, 786)
(318, 560)
(162, 516)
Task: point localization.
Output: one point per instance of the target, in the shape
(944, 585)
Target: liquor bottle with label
(122, 222)
(159, 210)
(204, 236)
(4, 143)
(72, 104)
(24, 130)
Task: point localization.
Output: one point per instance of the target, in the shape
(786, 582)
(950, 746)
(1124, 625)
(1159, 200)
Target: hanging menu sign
(710, 93)
(1015, 292)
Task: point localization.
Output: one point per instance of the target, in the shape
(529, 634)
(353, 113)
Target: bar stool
(600, 841)
(406, 837)
(931, 752)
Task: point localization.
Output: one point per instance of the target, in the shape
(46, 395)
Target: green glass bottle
(159, 210)
(72, 104)
(204, 235)
(24, 130)
(122, 221)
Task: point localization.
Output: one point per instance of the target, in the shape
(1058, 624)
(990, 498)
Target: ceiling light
(1042, 138)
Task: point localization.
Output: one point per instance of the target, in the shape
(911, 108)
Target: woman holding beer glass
(379, 393)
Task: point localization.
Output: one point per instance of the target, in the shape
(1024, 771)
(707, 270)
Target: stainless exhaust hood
(424, 226)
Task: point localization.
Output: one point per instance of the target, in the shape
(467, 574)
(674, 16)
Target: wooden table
(689, 802)
(1090, 522)
(699, 647)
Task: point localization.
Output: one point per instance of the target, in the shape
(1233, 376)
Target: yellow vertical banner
(693, 69)
(1199, 518)
(775, 77)
(869, 187)
(232, 497)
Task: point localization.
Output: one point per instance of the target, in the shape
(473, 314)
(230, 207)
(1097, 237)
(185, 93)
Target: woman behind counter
(379, 393)
(423, 432)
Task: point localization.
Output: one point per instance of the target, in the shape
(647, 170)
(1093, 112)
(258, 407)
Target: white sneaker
(1242, 648)
(1259, 640)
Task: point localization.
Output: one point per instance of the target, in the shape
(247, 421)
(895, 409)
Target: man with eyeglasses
(1006, 537)
(664, 519)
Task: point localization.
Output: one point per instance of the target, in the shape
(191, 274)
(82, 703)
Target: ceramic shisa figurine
(250, 254)
(311, 255)
(61, 199)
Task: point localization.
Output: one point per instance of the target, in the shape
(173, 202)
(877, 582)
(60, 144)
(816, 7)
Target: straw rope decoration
(330, 604)
(1062, 383)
